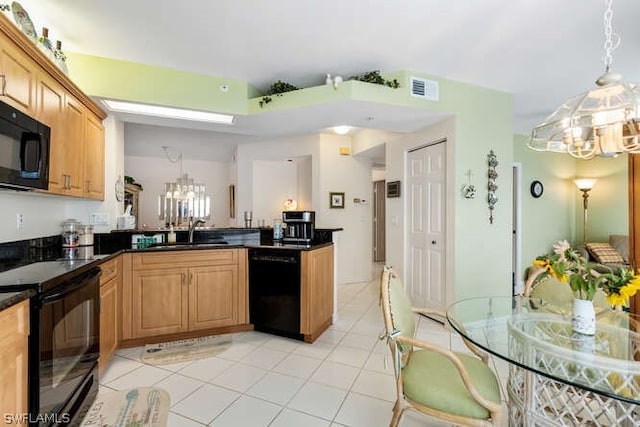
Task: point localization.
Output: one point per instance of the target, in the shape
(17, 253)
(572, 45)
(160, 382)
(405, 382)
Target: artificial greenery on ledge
(375, 78)
(278, 88)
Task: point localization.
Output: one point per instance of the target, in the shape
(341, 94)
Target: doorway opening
(517, 280)
(379, 238)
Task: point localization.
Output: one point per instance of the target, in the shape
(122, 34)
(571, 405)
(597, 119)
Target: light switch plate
(99, 218)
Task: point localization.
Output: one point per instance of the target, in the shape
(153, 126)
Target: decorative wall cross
(492, 199)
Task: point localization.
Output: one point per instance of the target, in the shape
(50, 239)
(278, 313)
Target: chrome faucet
(192, 227)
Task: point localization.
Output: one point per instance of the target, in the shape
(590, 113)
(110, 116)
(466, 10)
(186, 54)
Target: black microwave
(24, 150)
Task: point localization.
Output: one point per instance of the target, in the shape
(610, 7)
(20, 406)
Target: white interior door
(426, 226)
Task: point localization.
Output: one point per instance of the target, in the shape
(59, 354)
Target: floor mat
(185, 350)
(140, 407)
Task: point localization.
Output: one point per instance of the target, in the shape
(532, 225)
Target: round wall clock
(119, 188)
(536, 189)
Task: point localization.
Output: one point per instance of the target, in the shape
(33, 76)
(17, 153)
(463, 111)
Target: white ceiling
(541, 51)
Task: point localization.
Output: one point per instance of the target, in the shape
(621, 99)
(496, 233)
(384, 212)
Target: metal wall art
(492, 199)
(469, 190)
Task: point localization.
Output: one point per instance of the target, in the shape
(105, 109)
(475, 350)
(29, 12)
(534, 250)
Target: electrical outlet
(99, 218)
(19, 221)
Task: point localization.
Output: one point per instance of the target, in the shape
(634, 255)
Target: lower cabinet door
(160, 303)
(108, 321)
(14, 332)
(213, 296)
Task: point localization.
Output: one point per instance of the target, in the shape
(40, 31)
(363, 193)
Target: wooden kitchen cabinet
(76, 166)
(33, 84)
(50, 111)
(316, 292)
(73, 150)
(109, 310)
(76, 149)
(17, 78)
(183, 291)
(14, 332)
(93, 157)
(160, 304)
(213, 296)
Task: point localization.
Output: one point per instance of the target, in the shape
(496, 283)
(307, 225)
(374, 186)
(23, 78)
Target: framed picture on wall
(393, 189)
(336, 200)
(232, 201)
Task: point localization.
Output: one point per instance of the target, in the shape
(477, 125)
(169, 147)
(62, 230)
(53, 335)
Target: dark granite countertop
(12, 298)
(30, 263)
(204, 246)
(23, 282)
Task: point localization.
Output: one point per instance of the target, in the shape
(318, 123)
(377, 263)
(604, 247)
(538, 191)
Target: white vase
(584, 317)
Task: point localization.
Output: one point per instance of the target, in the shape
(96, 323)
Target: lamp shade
(601, 122)
(585, 183)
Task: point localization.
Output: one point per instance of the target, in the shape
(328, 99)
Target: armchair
(452, 386)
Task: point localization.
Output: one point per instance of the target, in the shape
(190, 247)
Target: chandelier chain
(176, 160)
(609, 36)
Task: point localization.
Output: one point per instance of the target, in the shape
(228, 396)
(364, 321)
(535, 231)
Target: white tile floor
(342, 379)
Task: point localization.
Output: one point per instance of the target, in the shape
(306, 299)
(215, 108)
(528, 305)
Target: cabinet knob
(433, 242)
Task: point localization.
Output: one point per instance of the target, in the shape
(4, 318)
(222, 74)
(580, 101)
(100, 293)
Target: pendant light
(183, 200)
(601, 122)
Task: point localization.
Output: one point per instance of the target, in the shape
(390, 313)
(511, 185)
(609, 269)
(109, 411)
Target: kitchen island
(172, 292)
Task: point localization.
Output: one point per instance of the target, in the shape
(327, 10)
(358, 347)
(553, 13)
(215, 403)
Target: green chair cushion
(429, 378)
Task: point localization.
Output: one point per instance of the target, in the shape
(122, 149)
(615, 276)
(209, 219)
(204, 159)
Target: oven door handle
(77, 283)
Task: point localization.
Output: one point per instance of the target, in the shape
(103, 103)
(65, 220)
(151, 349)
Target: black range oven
(64, 342)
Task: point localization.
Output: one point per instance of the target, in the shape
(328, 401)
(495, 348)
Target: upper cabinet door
(16, 79)
(50, 111)
(94, 157)
(74, 147)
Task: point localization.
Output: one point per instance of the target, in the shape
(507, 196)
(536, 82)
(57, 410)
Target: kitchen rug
(140, 407)
(185, 350)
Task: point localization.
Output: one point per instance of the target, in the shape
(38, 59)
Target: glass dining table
(557, 377)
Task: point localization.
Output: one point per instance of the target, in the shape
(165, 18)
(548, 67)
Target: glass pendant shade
(601, 122)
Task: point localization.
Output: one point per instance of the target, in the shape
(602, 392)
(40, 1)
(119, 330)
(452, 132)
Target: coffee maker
(299, 227)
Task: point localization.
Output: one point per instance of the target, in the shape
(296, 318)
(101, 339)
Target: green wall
(478, 120)
(558, 214)
(551, 217)
(608, 207)
(129, 81)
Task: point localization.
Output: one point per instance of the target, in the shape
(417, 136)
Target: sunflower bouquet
(567, 265)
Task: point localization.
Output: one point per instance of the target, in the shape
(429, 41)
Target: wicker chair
(454, 387)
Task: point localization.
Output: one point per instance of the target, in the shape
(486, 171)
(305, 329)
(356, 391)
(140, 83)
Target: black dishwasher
(274, 291)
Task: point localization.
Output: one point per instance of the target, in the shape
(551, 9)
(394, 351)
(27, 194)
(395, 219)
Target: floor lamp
(585, 185)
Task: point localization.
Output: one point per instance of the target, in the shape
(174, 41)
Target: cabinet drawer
(109, 270)
(186, 258)
(14, 323)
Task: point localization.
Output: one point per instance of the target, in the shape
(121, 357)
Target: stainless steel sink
(185, 245)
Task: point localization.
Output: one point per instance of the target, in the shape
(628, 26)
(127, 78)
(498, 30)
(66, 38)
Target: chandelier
(601, 122)
(183, 199)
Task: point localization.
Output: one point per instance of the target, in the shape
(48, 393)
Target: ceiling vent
(426, 89)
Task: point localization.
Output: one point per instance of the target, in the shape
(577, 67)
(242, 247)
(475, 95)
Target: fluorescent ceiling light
(169, 112)
(341, 130)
